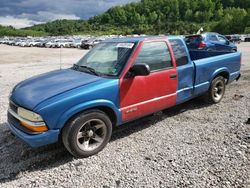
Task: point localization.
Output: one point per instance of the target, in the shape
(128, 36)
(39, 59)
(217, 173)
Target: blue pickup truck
(118, 81)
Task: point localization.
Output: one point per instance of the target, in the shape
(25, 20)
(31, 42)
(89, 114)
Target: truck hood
(29, 93)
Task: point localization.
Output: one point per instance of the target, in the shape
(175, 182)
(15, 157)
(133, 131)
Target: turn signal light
(37, 129)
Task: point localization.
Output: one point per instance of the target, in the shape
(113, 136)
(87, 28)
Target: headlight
(31, 116)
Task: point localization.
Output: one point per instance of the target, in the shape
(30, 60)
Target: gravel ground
(191, 145)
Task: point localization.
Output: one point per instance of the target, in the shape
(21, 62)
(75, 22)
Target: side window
(156, 55)
(179, 50)
(213, 38)
(222, 39)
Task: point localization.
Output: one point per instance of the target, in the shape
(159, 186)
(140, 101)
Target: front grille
(12, 120)
(13, 106)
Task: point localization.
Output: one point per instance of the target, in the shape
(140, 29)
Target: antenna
(60, 57)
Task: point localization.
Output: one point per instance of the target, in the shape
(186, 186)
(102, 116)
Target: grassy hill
(159, 17)
(10, 31)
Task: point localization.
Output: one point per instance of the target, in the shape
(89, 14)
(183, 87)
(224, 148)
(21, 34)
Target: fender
(85, 106)
(218, 71)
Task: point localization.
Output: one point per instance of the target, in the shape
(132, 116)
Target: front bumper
(36, 140)
(237, 79)
(32, 138)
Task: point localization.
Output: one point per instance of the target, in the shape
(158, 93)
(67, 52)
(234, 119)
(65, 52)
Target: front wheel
(87, 134)
(216, 91)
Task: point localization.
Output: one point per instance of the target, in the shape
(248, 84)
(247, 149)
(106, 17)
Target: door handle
(173, 76)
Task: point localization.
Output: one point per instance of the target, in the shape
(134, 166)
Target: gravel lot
(192, 145)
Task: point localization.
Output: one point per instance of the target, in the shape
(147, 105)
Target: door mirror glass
(139, 69)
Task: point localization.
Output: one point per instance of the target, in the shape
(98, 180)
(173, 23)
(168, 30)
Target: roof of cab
(139, 39)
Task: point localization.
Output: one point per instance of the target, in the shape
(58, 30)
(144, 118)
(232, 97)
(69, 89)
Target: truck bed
(210, 64)
(199, 54)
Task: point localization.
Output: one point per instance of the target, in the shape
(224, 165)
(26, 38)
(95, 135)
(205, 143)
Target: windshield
(107, 58)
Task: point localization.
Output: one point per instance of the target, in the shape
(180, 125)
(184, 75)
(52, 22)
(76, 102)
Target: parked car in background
(50, 44)
(77, 43)
(90, 43)
(63, 43)
(35, 43)
(210, 42)
(247, 39)
(234, 38)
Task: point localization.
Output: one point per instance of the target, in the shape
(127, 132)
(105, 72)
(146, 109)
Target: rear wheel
(87, 134)
(216, 91)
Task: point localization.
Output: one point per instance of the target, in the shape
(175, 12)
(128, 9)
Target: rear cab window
(156, 55)
(179, 51)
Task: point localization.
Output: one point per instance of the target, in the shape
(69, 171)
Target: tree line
(159, 17)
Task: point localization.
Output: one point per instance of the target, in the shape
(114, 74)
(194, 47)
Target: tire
(216, 91)
(87, 134)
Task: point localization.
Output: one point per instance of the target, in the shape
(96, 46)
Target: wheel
(216, 91)
(87, 134)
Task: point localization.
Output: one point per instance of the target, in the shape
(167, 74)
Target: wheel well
(107, 110)
(223, 74)
(110, 113)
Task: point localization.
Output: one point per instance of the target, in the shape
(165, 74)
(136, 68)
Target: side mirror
(227, 42)
(140, 69)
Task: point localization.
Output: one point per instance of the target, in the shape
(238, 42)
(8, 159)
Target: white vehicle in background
(64, 43)
(2, 41)
(50, 44)
(33, 43)
(18, 42)
(25, 43)
(77, 43)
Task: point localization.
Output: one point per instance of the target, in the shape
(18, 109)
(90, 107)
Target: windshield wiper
(89, 69)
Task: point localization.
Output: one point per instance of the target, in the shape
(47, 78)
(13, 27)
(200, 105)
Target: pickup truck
(118, 81)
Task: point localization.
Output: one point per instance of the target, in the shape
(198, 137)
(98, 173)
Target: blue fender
(88, 105)
(218, 71)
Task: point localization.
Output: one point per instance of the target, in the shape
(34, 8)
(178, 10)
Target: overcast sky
(24, 13)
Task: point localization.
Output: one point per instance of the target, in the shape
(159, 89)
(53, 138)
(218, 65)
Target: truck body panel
(60, 95)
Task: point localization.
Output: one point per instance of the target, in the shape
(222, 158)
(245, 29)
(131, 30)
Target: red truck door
(143, 95)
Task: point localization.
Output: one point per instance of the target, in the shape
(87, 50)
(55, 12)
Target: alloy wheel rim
(91, 135)
(218, 90)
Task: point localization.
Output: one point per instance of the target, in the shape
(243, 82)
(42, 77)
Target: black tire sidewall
(70, 133)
